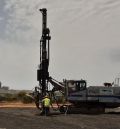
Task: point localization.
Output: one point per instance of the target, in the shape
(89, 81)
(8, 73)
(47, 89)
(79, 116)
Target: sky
(85, 40)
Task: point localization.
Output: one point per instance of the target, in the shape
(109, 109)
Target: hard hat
(46, 96)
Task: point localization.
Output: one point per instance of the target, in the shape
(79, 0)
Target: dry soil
(29, 118)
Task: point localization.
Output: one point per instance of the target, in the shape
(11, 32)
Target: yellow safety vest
(46, 102)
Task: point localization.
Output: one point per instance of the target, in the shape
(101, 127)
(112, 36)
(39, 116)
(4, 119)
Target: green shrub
(27, 99)
(21, 94)
(2, 98)
(58, 99)
(24, 98)
(10, 97)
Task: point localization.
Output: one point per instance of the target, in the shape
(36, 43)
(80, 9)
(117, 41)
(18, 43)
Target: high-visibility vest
(46, 102)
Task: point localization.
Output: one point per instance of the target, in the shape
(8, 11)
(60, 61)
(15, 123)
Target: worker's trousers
(47, 111)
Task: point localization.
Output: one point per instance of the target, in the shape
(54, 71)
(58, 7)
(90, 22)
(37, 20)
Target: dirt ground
(29, 118)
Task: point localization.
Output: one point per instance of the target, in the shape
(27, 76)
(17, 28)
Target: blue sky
(85, 40)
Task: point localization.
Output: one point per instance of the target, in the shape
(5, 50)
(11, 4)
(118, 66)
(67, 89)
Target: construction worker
(46, 105)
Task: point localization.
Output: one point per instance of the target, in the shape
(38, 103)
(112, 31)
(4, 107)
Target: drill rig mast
(42, 72)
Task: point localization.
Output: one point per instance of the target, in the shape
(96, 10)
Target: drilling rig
(42, 72)
(81, 98)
